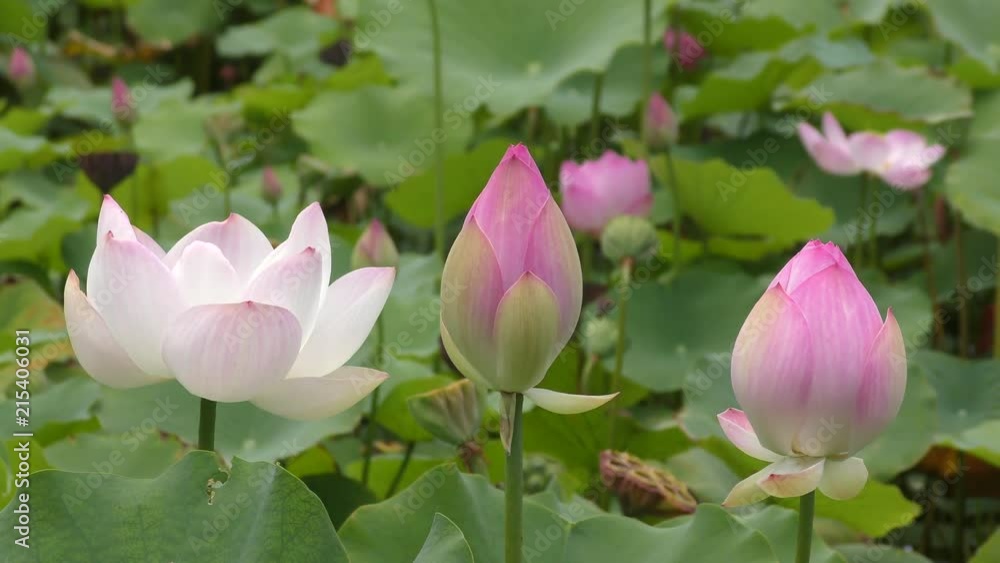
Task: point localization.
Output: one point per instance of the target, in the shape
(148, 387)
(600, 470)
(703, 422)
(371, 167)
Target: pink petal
(204, 276)
(295, 283)
(508, 207)
(843, 480)
(137, 296)
(242, 243)
(149, 243)
(233, 352)
(904, 177)
(870, 151)
(96, 349)
(814, 257)
(114, 220)
(883, 383)
(315, 398)
(832, 130)
(772, 369)
(349, 311)
(739, 431)
(747, 491)
(552, 256)
(792, 477)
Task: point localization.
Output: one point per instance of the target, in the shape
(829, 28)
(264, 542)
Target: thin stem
(996, 316)
(647, 64)
(514, 489)
(135, 174)
(438, 125)
(873, 224)
(859, 243)
(961, 493)
(373, 409)
(206, 426)
(678, 220)
(963, 306)
(807, 506)
(923, 208)
(624, 289)
(407, 456)
(595, 108)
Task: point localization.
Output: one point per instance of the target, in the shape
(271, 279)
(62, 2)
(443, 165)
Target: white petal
(309, 230)
(95, 348)
(747, 491)
(137, 297)
(352, 305)
(843, 480)
(739, 431)
(149, 243)
(566, 403)
(294, 283)
(231, 352)
(242, 243)
(204, 276)
(313, 398)
(113, 220)
(792, 477)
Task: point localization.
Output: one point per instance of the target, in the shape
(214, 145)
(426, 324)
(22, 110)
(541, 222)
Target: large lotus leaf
(445, 544)
(41, 214)
(295, 31)
(990, 551)
(173, 21)
(57, 409)
(384, 134)
(780, 525)
(260, 513)
(970, 184)
(506, 55)
(857, 552)
(970, 24)
(394, 531)
(241, 429)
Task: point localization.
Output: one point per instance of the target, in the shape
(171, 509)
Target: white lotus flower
(227, 315)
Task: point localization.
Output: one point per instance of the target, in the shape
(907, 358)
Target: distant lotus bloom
(227, 315)
(596, 191)
(820, 376)
(661, 122)
(902, 158)
(832, 149)
(270, 185)
(512, 287)
(375, 248)
(687, 51)
(21, 68)
(122, 104)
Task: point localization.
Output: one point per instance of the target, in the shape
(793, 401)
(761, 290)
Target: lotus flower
(832, 149)
(122, 105)
(820, 376)
(512, 288)
(661, 122)
(227, 315)
(902, 158)
(686, 50)
(597, 191)
(375, 248)
(21, 68)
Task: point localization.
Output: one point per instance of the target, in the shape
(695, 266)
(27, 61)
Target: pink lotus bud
(122, 105)
(819, 375)
(270, 185)
(831, 150)
(902, 158)
(596, 191)
(661, 122)
(686, 51)
(512, 287)
(21, 68)
(375, 248)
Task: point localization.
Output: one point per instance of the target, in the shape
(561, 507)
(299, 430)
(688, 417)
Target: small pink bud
(375, 248)
(270, 185)
(596, 191)
(661, 122)
(122, 106)
(686, 50)
(21, 68)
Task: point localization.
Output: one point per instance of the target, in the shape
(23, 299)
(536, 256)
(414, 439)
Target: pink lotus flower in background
(596, 191)
(819, 374)
(832, 149)
(227, 315)
(686, 50)
(902, 158)
(512, 288)
(661, 122)
(122, 105)
(21, 68)
(270, 185)
(375, 248)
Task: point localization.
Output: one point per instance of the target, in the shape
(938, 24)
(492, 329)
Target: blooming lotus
(661, 122)
(902, 158)
(820, 376)
(831, 150)
(596, 191)
(512, 287)
(227, 315)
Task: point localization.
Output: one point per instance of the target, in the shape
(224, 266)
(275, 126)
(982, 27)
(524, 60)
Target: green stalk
(873, 224)
(373, 409)
(514, 489)
(407, 456)
(134, 204)
(961, 491)
(438, 124)
(807, 506)
(678, 220)
(923, 209)
(206, 426)
(647, 65)
(996, 316)
(859, 245)
(616, 375)
(595, 108)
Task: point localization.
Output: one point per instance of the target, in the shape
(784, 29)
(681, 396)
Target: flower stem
(923, 209)
(206, 426)
(675, 191)
(647, 65)
(624, 289)
(407, 456)
(595, 109)
(873, 223)
(438, 125)
(514, 489)
(373, 409)
(960, 495)
(859, 244)
(807, 506)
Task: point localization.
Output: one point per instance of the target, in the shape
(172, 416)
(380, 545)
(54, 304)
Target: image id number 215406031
(22, 437)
